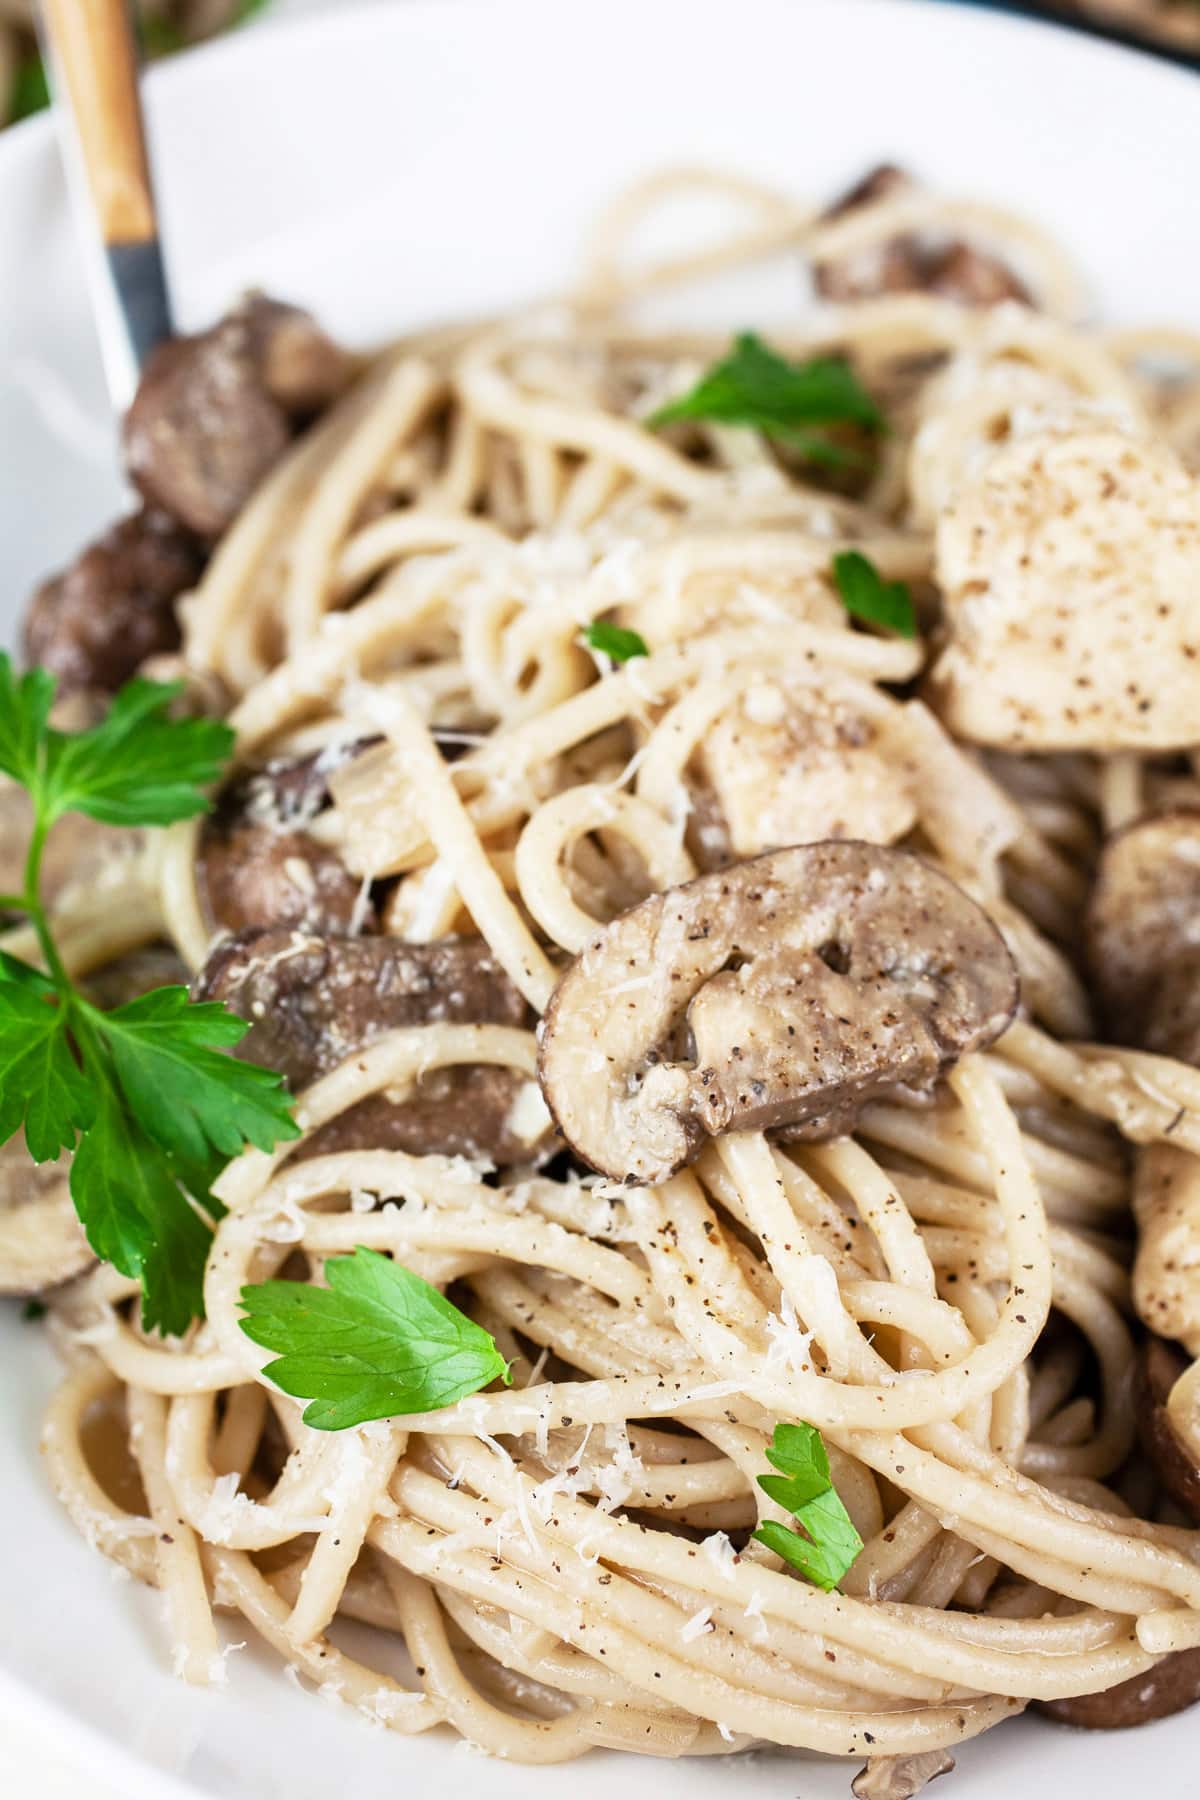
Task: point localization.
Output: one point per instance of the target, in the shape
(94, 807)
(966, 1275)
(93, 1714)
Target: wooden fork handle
(95, 54)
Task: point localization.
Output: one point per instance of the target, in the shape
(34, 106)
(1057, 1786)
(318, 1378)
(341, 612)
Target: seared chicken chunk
(1069, 572)
(790, 765)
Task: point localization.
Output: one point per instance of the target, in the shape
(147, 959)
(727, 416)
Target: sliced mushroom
(480, 1111)
(1170, 1687)
(98, 621)
(900, 1777)
(289, 792)
(793, 765)
(1166, 1269)
(136, 973)
(250, 876)
(313, 1001)
(213, 412)
(911, 263)
(257, 867)
(1068, 567)
(1143, 934)
(1160, 1365)
(789, 990)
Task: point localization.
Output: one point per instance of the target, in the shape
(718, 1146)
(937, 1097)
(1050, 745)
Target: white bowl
(388, 166)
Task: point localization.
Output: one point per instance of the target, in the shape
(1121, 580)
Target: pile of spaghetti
(410, 597)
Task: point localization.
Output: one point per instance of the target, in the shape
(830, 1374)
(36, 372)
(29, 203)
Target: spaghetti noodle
(945, 1294)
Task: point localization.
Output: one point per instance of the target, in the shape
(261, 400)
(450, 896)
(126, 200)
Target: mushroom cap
(1160, 1365)
(788, 990)
(1143, 934)
(1068, 570)
(1170, 1687)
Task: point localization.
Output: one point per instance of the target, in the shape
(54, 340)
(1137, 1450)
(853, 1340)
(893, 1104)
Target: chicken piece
(679, 604)
(1069, 571)
(794, 765)
(1166, 1271)
(985, 398)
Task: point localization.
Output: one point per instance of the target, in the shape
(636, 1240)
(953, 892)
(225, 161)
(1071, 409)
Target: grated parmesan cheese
(697, 1625)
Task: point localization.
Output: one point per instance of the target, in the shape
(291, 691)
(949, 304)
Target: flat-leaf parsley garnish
(755, 386)
(827, 1543)
(866, 595)
(615, 641)
(142, 1095)
(377, 1342)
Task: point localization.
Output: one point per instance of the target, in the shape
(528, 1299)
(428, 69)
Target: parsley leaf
(376, 1342)
(143, 1096)
(614, 641)
(866, 595)
(137, 766)
(190, 1099)
(30, 91)
(24, 711)
(41, 1085)
(754, 386)
(137, 1217)
(805, 1488)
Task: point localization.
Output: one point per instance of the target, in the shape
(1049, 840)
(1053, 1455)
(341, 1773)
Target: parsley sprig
(866, 595)
(375, 1343)
(616, 641)
(804, 1487)
(142, 1095)
(755, 386)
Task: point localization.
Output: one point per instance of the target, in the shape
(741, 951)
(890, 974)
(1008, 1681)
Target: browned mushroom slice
(98, 621)
(257, 866)
(789, 990)
(250, 876)
(900, 1777)
(1160, 1364)
(478, 1111)
(1170, 1687)
(909, 263)
(213, 412)
(1143, 934)
(314, 1000)
(41, 1240)
(135, 974)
